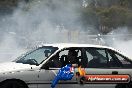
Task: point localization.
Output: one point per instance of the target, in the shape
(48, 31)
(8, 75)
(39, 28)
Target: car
(38, 67)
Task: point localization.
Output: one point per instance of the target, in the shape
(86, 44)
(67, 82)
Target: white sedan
(37, 68)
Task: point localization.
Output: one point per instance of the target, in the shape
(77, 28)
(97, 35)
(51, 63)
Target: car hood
(13, 66)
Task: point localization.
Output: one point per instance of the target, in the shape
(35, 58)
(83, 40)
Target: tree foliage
(108, 17)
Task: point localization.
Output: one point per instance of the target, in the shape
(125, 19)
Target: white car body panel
(24, 72)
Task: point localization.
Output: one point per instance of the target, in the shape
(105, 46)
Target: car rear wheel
(129, 85)
(13, 84)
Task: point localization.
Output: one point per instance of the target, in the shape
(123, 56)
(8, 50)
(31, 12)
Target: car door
(119, 63)
(104, 61)
(51, 67)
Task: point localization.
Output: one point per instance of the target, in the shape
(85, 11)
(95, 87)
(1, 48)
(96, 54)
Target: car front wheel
(13, 84)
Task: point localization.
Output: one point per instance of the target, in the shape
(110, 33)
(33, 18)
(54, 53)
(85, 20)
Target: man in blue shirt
(65, 73)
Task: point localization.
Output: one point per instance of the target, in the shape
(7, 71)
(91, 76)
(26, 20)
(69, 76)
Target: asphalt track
(81, 86)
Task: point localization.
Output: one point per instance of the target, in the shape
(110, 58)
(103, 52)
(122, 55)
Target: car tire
(82, 80)
(13, 84)
(129, 85)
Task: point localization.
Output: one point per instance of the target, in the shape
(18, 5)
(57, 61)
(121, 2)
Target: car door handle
(114, 72)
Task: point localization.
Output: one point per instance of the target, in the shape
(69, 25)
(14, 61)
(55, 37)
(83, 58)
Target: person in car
(72, 56)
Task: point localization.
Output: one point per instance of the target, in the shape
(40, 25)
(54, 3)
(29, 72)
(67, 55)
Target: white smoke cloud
(9, 49)
(121, 39)
(48, 21)
(124, 46)
(38, 21)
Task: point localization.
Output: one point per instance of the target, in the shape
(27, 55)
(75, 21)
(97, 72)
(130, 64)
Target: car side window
(64, 57)
(118, 60)
(124, 61)
(97, 57)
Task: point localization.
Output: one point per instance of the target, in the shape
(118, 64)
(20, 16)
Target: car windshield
(37, 56)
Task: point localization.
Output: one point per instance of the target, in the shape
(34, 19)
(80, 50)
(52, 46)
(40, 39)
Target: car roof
(66, 45)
